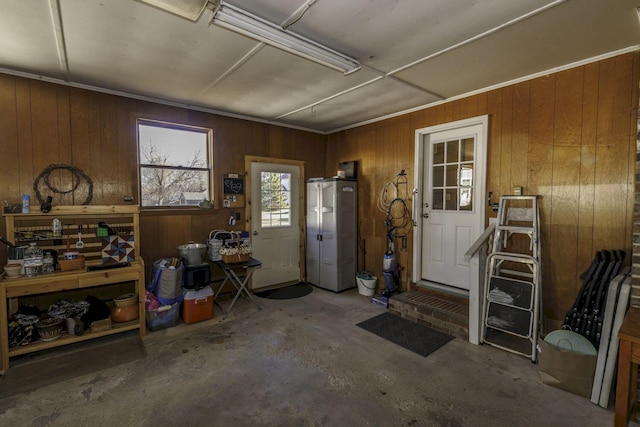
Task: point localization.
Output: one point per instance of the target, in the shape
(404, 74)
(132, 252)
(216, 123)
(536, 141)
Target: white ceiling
(413, 52)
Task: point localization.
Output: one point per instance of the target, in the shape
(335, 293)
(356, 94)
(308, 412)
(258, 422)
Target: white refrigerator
(332, 225)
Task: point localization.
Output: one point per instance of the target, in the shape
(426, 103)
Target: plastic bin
(163, 317)
(198, 305)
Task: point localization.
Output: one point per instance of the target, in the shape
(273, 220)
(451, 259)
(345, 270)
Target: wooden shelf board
(68, 339)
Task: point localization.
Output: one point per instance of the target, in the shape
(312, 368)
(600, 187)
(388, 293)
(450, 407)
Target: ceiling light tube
(235, 19)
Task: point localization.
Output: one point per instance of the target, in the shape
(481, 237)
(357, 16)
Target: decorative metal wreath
(78, 176)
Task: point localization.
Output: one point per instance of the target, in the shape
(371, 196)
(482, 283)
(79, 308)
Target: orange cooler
(197, 305)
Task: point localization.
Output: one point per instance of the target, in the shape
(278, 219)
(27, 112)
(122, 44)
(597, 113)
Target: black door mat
(63, 363)
(288, 292)
(405, 333)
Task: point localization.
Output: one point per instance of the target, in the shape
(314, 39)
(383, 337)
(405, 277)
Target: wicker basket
(125, 300)
(217, 239)
(71, 264)
(235, 258)
(49, 329)
(215, 244)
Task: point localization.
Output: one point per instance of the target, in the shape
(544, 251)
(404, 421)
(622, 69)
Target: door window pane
(452, 151)
(452, 175)
(467, 150)
(466, 199)
(451, 196)
(438, 176)
(438, 153)
(452, 183)
(466, 174)
(437, 200)
(275, 204)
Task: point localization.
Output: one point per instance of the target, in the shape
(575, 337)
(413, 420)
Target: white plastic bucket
(367, 287)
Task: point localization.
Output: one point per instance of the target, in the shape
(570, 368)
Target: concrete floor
(303, 362)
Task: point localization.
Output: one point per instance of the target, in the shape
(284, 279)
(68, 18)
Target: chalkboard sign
(233, 185)
(232, 190)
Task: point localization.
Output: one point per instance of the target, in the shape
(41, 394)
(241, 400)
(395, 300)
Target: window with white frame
(175, 164)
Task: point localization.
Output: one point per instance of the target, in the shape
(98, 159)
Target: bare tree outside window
(275, 199)
(174, 164)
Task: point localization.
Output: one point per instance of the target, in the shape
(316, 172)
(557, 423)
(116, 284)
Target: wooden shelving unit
(35, 226)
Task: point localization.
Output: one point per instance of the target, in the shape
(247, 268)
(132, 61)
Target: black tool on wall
(46, 206)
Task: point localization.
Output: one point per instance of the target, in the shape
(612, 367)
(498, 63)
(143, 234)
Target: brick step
(446, 313)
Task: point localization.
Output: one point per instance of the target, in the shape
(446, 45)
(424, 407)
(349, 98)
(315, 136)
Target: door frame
(475, 269)
(301, 199)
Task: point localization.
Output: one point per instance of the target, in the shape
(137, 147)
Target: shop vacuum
(391, 273)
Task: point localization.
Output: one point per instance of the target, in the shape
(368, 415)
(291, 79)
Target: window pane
(438, 153)
(437, 200)
(452, 175)
(451, 196)
(438, 176)
(467, 150)
(452, 151)
(466, 201)
(275, 199)
(174, 164)
(163, 146)
(173, 187)
(466, 174)
(453, 180)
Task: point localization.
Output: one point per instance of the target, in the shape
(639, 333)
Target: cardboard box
(101, 325)
(198, 305)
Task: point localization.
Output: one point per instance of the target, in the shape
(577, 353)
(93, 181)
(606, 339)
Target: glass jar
(47, 263)
(33, 260)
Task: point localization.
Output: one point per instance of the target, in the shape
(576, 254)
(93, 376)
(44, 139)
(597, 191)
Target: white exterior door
(275, 223)
(450, 192)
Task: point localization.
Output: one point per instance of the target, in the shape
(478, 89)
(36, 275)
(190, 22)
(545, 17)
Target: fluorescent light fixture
(240, 21)
(188, 9)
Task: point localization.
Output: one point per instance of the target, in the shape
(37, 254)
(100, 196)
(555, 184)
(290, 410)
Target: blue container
(26, 199)
(163, 317)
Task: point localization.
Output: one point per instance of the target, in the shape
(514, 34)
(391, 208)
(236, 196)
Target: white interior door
(452, 163)
(275, 223)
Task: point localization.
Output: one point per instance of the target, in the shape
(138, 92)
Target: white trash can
(366, 287)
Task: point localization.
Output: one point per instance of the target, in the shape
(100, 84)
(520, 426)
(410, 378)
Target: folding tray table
(239, 281)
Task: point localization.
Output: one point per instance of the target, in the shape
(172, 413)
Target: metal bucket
(192, 253)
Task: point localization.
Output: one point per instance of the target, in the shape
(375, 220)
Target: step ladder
(512, 309)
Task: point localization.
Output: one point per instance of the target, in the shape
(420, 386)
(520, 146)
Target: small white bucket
(367, 287)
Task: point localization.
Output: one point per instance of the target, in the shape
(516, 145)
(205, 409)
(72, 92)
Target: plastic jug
(33, 260)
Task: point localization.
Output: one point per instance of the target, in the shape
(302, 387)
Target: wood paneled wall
(43, 123)
(569, 137)
(635, 265)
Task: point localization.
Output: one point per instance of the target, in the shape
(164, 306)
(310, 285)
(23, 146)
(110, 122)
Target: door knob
(425, 215)
(255, 233)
